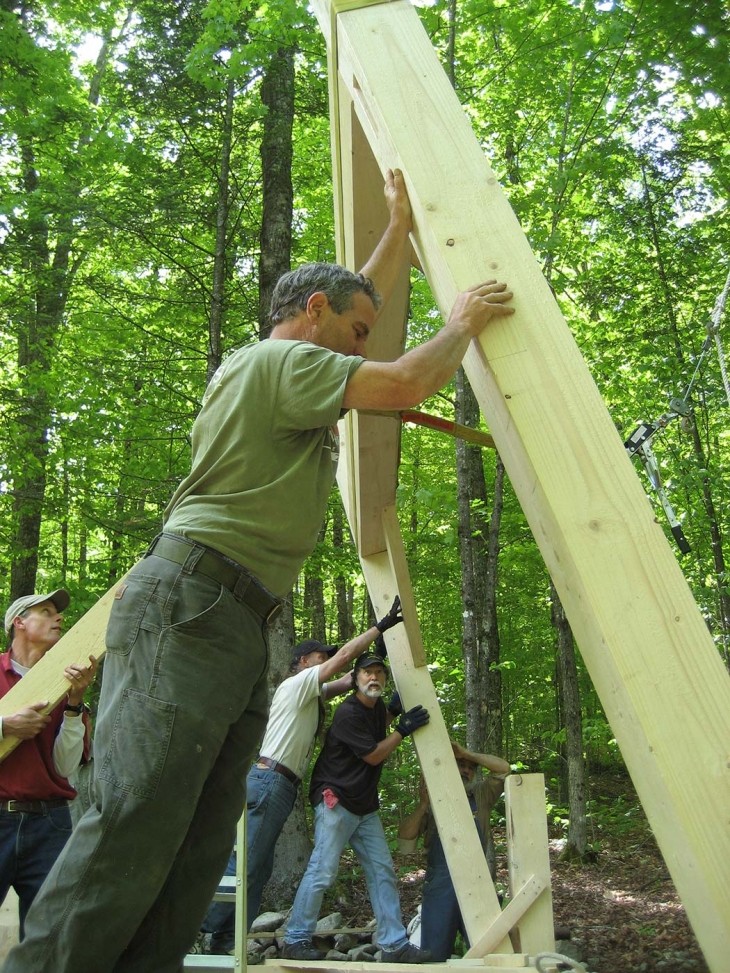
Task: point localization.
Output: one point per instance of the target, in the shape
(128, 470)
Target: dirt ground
(623, 913)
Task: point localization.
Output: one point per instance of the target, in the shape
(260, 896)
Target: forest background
(162, 163)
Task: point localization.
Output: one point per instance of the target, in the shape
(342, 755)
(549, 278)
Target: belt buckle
(10, 806)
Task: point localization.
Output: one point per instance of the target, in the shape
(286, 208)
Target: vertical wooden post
(527, 853)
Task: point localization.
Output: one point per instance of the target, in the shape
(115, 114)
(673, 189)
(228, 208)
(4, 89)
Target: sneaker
(407, 953)
(201, 943)
(303, 950)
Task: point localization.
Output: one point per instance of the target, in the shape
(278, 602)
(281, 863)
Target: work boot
(407, 953)
(303, 950)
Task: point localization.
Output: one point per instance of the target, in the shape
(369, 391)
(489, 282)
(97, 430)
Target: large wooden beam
(651, 658)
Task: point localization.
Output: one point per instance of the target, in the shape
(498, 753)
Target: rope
(557, 958)
(714, 331)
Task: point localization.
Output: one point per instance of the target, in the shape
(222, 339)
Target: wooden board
(221, 964)
(46, 681)
(651, 658)
(375, 440)
(529, 859)
(386, 574)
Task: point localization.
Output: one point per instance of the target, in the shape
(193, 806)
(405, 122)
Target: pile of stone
(266, 939)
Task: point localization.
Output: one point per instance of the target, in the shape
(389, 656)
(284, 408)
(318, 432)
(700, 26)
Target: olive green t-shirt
(264, 457)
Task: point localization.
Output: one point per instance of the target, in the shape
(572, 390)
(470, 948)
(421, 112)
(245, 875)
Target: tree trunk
(294, 845)
(217, 299)
(573, 768)
(290, 859)
(718, 556)
(46, 237)
(344, 593)
(479, 547)
(568, 697)
(277, 93)
(314, 608)
(494, 735)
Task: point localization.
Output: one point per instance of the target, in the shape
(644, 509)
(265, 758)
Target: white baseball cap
(60, 599)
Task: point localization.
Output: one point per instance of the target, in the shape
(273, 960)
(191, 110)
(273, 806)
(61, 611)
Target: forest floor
(621, 909)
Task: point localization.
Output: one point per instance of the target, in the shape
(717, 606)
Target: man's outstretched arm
(387, 259)
(423, 370)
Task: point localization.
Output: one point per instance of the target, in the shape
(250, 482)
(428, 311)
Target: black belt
(213, 565)
(32, 807)
(279, 769)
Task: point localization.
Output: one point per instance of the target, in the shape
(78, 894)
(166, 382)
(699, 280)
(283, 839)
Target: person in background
(295, 721)
(35, 820)
(440, 915)
(344, 792)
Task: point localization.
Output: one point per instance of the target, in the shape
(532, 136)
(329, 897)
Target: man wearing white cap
(35, 820)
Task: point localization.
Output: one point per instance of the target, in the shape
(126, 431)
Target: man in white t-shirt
(295, 719)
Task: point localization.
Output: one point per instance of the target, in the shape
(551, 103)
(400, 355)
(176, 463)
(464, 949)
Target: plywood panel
(359, 194)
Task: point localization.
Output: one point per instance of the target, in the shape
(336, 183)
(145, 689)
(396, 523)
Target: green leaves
(607, 124)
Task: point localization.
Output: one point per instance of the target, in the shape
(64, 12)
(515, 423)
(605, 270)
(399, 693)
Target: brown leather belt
(213, 565)
(32, 807)
(278, 769)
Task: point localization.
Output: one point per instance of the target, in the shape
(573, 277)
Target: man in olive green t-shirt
(184, 702)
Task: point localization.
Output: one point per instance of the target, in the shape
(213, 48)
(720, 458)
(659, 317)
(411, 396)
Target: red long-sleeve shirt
(28, 773)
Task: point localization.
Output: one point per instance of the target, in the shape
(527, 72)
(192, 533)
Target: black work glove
(413, 720)
(394, 705)
(380, 648)
(394, 617)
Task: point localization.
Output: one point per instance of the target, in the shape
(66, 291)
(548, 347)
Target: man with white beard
(344, 793)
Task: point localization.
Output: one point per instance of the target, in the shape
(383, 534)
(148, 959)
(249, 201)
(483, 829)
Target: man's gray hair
(294, 289)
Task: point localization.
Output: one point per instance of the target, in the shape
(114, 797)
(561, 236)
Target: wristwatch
(78, 710)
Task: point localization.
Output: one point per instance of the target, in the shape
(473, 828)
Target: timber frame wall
(651, 658)
(653, 663)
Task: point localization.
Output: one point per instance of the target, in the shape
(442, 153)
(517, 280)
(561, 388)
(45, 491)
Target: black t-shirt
(355, 732)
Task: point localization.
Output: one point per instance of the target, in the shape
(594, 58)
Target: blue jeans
(269, 800)
(333, 829)
(182, 709)
(29, 845)
(440, 914)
